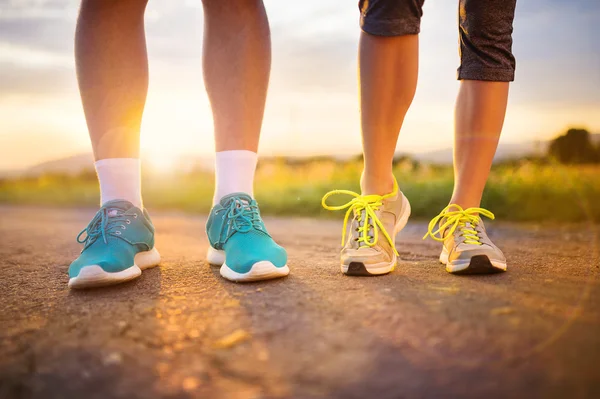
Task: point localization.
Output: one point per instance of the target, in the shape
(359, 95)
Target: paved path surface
(180, 331)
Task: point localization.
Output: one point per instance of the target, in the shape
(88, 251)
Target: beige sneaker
(466, 249)
(370, 248)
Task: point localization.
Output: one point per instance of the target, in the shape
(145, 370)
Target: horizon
(202, 158)
(312, 107)
(507, 151)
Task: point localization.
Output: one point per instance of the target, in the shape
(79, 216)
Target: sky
(312, 106)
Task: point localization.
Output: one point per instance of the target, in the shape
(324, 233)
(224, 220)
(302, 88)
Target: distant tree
(357, 158)
(400, 158)
(87, 175)
(574, 147)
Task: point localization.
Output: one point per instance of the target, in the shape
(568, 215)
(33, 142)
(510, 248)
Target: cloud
(41, 25)
(314, 50)
(33, 57)
(52, 82)
(314, 43)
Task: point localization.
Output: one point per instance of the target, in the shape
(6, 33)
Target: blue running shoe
(118, 245)
(240, 243)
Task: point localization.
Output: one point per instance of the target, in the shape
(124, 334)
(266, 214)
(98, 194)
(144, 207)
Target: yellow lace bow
(368, 203)
(457, 219)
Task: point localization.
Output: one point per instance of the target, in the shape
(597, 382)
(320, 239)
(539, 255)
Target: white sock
(234, 173)
(120, 178)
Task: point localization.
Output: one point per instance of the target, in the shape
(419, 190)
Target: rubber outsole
(94, 276)
(263, 270)
(479, 264)
(358, 269)
(215, 257)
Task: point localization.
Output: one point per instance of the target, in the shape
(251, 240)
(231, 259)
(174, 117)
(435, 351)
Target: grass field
(521, 191)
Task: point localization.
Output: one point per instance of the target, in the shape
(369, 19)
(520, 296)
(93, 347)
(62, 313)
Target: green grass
(520, 192)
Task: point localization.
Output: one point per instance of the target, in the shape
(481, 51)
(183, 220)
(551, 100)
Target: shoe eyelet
(135, 215)
(123, 227)
(118, 232)
(128, 221)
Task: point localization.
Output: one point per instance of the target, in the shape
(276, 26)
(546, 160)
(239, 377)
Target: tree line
(574, 147)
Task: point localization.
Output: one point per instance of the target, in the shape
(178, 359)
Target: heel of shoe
(215, 256)
(403, 219)
(147, 259)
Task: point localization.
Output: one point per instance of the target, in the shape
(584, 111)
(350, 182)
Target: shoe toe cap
(241, 258)
(468, 252)
(364, 255)
(111, 259)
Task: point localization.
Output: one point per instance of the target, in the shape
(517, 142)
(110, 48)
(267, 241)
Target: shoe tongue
(116, 206)
(370, 231)
(245, 198)
(472, 225)
(363, 218)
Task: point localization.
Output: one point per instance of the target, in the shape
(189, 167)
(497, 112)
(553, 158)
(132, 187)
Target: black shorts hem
(487, 74)
(388, 27)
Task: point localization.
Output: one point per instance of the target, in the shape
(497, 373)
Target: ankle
(465, 202)
(379, 184)
(234, 173)
(120, 179)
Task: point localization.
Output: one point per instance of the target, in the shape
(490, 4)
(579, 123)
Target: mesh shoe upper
(235, 226)
(356, 250)
(463, 234)
(373, 225)
(460, 250)
(118, 231)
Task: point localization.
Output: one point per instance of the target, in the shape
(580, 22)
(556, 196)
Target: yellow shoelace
(368, 203)
(458, 219)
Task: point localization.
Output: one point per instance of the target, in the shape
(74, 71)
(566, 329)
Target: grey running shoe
(466, 249)
(366, 252)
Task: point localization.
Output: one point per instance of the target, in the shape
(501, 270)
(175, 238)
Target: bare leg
(112, 71)
(237, 63)
(480, 110)
(388, 69)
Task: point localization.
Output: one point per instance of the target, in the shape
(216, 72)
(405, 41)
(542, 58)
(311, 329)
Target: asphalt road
(181, 331)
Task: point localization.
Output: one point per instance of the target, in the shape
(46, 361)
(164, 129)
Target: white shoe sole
(475, 265)
(373, 269)
(376, 269)
(94, 276)
(263, 270)
(215, 256)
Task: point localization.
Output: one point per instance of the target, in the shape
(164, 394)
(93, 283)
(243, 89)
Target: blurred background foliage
(561, 186)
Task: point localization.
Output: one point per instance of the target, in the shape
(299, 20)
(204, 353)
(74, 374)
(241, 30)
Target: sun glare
(174, 129)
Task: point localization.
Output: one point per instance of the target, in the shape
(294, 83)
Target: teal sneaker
(118, 245)
(240, 243)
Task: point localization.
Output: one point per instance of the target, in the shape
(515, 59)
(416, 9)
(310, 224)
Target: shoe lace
(104, 224)
(363, 206)
(465, 220)
(242, 216)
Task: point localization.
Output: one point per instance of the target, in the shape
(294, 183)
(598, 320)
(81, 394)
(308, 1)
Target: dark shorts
(485, 32)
